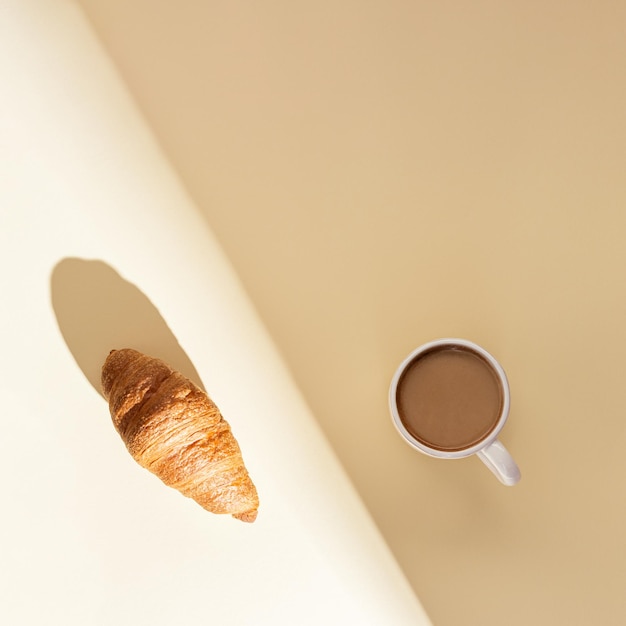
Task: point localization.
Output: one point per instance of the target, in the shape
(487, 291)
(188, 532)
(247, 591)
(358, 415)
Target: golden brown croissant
(172, 428)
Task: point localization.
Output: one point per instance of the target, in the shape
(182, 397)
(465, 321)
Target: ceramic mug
(488, 448)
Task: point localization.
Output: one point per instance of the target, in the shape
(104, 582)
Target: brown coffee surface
(449, 398)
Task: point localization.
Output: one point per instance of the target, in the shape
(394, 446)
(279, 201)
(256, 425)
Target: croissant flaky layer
(172, 428)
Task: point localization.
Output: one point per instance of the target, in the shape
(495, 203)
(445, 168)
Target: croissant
(173, 429)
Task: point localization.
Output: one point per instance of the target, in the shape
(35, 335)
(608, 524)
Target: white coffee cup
(488, 449)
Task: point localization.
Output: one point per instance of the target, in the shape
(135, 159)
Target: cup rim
(449, 454)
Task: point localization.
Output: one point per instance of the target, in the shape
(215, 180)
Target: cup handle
(497, 458)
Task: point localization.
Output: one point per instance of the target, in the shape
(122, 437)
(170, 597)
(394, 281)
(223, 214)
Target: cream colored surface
(386, 173)
(101, 247)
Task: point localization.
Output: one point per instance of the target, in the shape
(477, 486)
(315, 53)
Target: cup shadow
(98, 311)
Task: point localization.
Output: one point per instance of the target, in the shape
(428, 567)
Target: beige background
(385, 173)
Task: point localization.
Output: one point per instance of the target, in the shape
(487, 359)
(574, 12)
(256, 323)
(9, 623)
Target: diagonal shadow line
(98, 311)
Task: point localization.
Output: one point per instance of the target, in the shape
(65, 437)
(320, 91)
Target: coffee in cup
(450, 398)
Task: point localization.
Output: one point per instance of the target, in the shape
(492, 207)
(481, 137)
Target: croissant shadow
(98, 311)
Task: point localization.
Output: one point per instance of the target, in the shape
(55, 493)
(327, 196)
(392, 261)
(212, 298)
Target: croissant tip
(246, 516)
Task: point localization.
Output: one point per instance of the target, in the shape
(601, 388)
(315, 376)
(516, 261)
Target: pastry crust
(173, 429)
